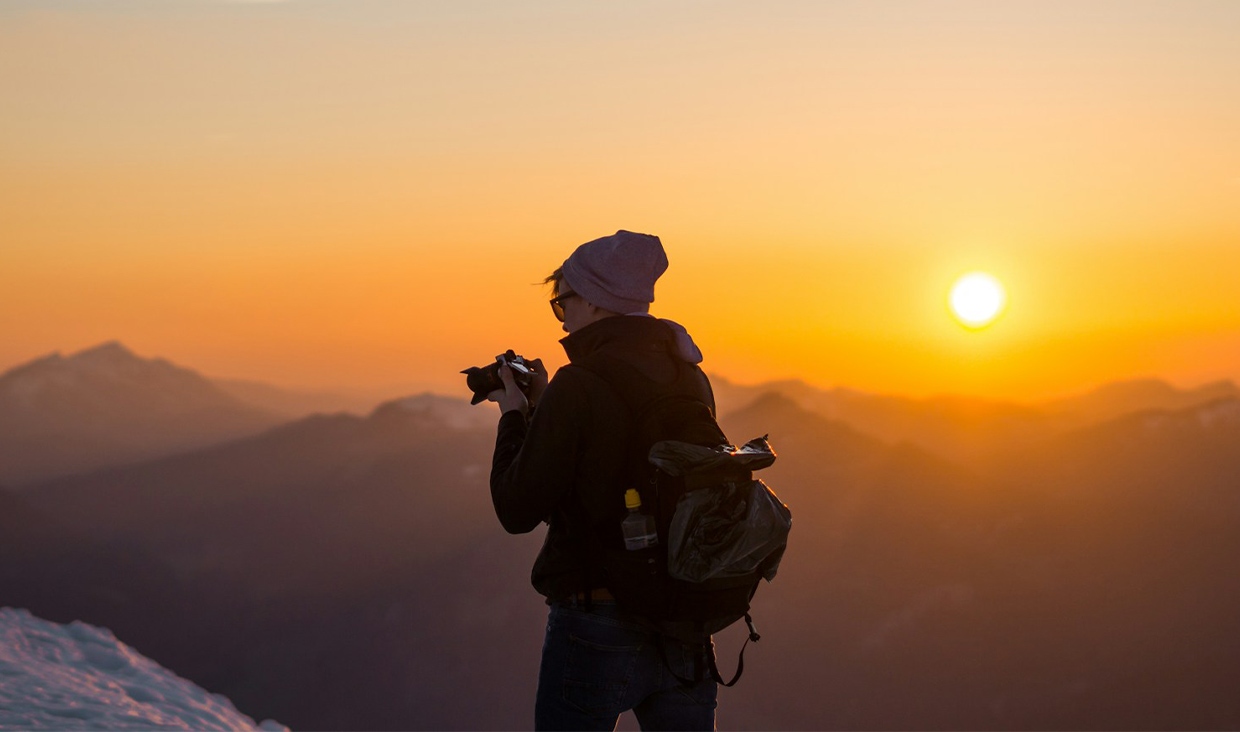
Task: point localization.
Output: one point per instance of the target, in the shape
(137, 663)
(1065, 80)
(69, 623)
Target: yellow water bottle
(639, 529)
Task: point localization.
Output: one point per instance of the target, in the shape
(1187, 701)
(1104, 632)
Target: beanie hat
(617, 272)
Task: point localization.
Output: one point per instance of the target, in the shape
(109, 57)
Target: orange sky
(362, 194)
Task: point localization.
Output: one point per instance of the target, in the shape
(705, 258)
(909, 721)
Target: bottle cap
(632, 499)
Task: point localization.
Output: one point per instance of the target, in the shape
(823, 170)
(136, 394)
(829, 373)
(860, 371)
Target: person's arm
(535, 462)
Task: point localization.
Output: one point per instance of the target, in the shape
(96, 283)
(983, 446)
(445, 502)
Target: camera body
(483, 380)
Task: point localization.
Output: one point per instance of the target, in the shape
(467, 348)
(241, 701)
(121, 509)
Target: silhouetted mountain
(1125, 397)
(17, 519)
(888, 548)
(453, 413)
(965, 429)
(326, 499)
(957, 428)
(807, 430)
(1127, 543)
(303, 535)
(730, 396)
(1140, 456)
(321, 556)
(106, 406)
(297, 403)
(67, 575)
(348, 572)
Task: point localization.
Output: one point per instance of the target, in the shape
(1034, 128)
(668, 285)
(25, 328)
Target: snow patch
(77, 676)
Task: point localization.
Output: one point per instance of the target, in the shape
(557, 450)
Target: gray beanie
(617, 272)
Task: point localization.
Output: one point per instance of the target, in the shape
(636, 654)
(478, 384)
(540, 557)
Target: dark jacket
(564, 466)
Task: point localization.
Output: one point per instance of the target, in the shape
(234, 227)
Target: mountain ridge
(965, 429)
(106, 405)
(909, 577)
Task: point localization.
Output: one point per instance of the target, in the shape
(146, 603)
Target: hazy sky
(364, 193)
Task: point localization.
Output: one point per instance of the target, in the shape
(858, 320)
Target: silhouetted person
(559, 459)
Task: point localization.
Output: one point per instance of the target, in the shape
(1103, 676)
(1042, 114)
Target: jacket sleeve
(535, 463)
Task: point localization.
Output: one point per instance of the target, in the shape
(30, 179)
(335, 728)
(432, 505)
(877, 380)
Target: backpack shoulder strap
(680, 407)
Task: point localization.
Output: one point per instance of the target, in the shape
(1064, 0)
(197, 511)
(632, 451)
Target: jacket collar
(629, 333)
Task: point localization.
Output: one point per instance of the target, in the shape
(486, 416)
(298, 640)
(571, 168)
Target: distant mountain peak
(773, 405)
(777, 400)
(106, 405)
(1137, 395)
(109, 352)
(109, 360)
(1153, 387)
(106, 350)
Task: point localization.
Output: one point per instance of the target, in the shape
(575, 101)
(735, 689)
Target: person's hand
(538, 384)
(510, 397)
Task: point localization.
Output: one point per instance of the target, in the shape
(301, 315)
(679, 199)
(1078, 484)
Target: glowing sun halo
(977, 299)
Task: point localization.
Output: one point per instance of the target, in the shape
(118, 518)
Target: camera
(483, 380)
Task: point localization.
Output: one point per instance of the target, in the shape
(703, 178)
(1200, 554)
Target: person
(559, 457)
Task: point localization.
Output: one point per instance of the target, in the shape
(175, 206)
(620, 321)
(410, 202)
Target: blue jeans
(599, 664)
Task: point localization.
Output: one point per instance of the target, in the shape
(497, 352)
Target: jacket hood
(635, 330)
(685, 347)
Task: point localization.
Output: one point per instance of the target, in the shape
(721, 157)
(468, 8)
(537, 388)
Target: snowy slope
(76, 676)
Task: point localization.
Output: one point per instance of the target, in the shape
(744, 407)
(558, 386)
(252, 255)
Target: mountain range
(106, 406)
(968, 429)
(346, 571)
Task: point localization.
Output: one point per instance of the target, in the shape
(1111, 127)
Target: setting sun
(977, 299)
(968, 268)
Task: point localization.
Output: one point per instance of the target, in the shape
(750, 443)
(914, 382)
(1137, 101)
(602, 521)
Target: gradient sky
(331, 193)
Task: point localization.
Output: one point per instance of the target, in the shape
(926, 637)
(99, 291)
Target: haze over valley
(954, 563)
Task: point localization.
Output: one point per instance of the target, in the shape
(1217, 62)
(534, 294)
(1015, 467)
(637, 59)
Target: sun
(977, 299)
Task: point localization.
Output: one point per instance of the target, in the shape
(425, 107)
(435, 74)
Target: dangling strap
(740, 662)
(709, 651)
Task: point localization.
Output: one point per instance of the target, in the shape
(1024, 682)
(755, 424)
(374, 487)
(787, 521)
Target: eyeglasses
(557, 305)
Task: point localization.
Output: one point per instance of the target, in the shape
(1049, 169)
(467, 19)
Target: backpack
(720, 531)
